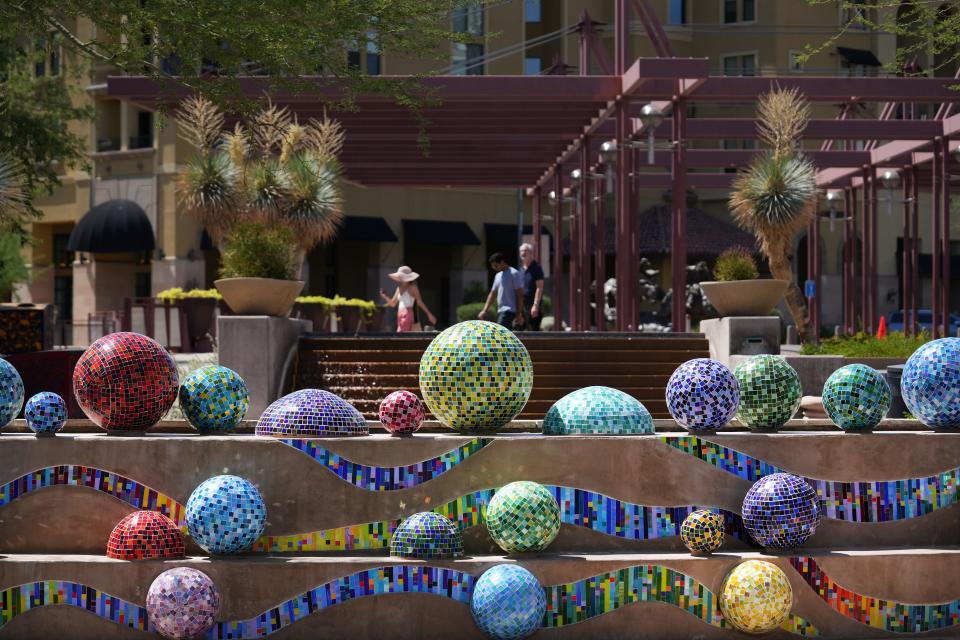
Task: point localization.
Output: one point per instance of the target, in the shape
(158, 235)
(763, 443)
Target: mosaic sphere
(11, 392)
(508, 602)
(781, 511)
(226, 514)
(125, 382)
(144, 535)
(427, 535)
(45, 413)
(856, 397)
(476, 375)
(182, 603)
(702, 531)
(311, 413)
(214, 398)
(523, 516)
(756, 597)
(770, 392)
(931, 384)
(597, 411)
(702, 394)
(401, 412)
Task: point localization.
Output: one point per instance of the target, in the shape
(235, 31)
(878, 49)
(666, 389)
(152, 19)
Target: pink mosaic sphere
(401, 412)
(182, 603)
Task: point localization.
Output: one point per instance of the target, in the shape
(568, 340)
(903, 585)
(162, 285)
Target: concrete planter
(201, 313)
(745, 297)
(259, 296)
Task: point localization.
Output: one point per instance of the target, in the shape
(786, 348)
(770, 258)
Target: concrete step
(569, 356)
(583, 372)
(552, 394)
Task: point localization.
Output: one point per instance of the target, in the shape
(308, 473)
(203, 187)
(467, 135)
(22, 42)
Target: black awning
(115, 226)
(366, 229)
(859, 56)
(439, 232)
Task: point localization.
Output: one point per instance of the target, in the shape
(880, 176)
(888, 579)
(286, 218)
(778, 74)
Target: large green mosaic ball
(770, 392)
(523, 516)
(214, 398)
(597, 411)
(476, 375)
(427, 535)
(856, 397)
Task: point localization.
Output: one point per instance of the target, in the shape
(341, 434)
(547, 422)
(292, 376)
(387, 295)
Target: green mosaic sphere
(214, 398)
(856, 397)
(427, 535)
(597, 411)
(476, 375)
(770, 392)
(523, 516)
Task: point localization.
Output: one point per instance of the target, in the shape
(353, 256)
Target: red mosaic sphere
(143, 535)
(125, 382)
(401, 412)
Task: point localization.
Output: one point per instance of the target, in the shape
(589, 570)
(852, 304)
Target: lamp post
(608, 158)
(651, 117)
(891, 181)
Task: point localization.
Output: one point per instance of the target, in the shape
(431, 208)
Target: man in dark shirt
(532, 286)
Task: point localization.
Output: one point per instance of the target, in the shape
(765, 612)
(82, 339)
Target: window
(63, 297)
(739, 11)
(144, 137)
(856, 15)
(531, 11)
(61, 257)
(469, 20)
(353, 56)
(532, 66)
(54, 53)
(373, 54)
(793, 58)
(141, 285)
(467, 59)
(677, 12)
(849, 69)
(741, 64)
(40, 66)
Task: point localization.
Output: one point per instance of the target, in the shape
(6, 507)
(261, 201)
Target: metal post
(865, 255)
(537, 223)
(621, 46)
(945, 236)
(558, 250)
(854, 298)
(519, 226)
(811, 300)
(814, 249)
(633, 242)
(905, 277)
(874, 306)
(935, 280)
(600, 258)
(847, 255)
(678, 219)
(915, 291)
(624, 277)
(584, 43)
(573, 260)
(583, 247)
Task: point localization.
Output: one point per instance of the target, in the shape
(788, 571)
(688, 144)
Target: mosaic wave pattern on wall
(21, 599)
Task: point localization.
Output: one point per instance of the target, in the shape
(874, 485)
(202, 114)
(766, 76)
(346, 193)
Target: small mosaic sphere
(125, 382)
(476, 375)
(427, 535)
(781, 511)
(770, 392)
(702, 531)
(309, 413)
(931, 384)
(11, 392)
(182, 603)
(508, 602)
(226, 514)
(214, 398)
(145, 535)
(756, 597)
(597, 411)
(45, 413)
(523, 516)
(702, 394)
(856, 397)
(401, 412)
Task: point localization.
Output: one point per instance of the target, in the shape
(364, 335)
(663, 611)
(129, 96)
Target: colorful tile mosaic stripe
(21, 599)
(888, 615)
(877, 501)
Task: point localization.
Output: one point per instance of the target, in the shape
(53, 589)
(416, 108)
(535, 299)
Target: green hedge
(862, 345)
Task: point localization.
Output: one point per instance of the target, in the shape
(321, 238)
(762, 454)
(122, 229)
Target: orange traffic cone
(882, 328)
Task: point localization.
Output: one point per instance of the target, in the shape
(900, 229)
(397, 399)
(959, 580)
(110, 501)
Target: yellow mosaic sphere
(702, 531)
(476, 375)
(756, 597)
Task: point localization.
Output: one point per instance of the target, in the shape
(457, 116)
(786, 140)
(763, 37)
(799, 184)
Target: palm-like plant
(14, 199)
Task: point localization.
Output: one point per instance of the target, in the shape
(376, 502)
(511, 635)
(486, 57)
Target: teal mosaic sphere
(11, 392)
(523, 516)
(931, 384)
(508, 602)
(856, 397)
(597, 411)
(427, 535)
(214, 398)
(770, 392)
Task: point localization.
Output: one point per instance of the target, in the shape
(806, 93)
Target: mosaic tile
(702, 394)
(856, 397)
(702, 531)
(523, 516)
(597, 411)
(20, 599)
(781, 511)
(311, 413)
(143, 535)
(756, 597)
(931, 383)
(11, 392)
(45, 413)
(182, 603)
(426, 535)
(508, 602)
(401, 412)
(225, 514)
(770, 392)
(214, 398)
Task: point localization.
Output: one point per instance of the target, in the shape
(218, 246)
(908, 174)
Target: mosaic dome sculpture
(756, 597)
(182, 603)
(11, 392)
(856, 397)
(45, 413)
(427, 535)
(225, 514)
(702, 394)
(401, 412)
(702, 531)
(311, 413)
(770, 392)
(508, 602)
(476, 375)
(214, 398)
(781, 511)
(144, 535)
(931, 384)
(523, 516)
(597, 411)
(125, 382)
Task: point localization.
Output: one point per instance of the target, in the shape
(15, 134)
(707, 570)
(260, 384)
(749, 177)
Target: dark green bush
(863, 345)
(256, 251)
(735, 263)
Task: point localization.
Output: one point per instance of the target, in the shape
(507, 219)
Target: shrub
(176, 293)
(366, 306)
(256, 251)
(735, 263)
(470, 311)
(862, 345)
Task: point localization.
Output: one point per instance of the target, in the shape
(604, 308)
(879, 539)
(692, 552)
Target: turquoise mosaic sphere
(770, 392)
(427, 535)
(597, 411)
(523, 516)
(226, 514)
(11, 392)
(45, 413)
(930, 385)
(476, 375)
(856, 397)
(508, 602)
(214, 398)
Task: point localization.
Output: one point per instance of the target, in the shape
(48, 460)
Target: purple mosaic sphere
(311, 413)
(182, 603)
(931, 384)
(702, 394)
(781, 511)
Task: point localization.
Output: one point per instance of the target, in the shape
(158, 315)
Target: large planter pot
(259, 296)
(315, 312)
(200, 314)
(745, 297)
(350, 319)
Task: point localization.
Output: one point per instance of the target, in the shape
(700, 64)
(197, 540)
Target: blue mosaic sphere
(597, 411)
(311, 413)
(856, 397)
(427, 535)
(508, 602)
(45, 413)
(770, 392)
(214, 398)
(226, 514)
(11, 392)
(781, 511)
(702, 394)
(930, 385)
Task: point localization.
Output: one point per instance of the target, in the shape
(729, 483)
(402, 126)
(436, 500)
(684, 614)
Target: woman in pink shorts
(405, 298)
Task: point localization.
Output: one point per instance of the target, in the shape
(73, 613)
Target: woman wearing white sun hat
(406, 296)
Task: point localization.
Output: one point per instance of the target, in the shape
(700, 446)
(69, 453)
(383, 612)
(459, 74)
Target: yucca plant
(14, 199)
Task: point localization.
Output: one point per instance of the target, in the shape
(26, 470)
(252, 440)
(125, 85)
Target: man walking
(508, 287)
(532, 286)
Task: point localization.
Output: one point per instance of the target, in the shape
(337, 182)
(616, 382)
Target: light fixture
(956, 153)
(575, 177)
(890, 180)
(608, 158)
(833, 199)
(651, 117)
(552, 198)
